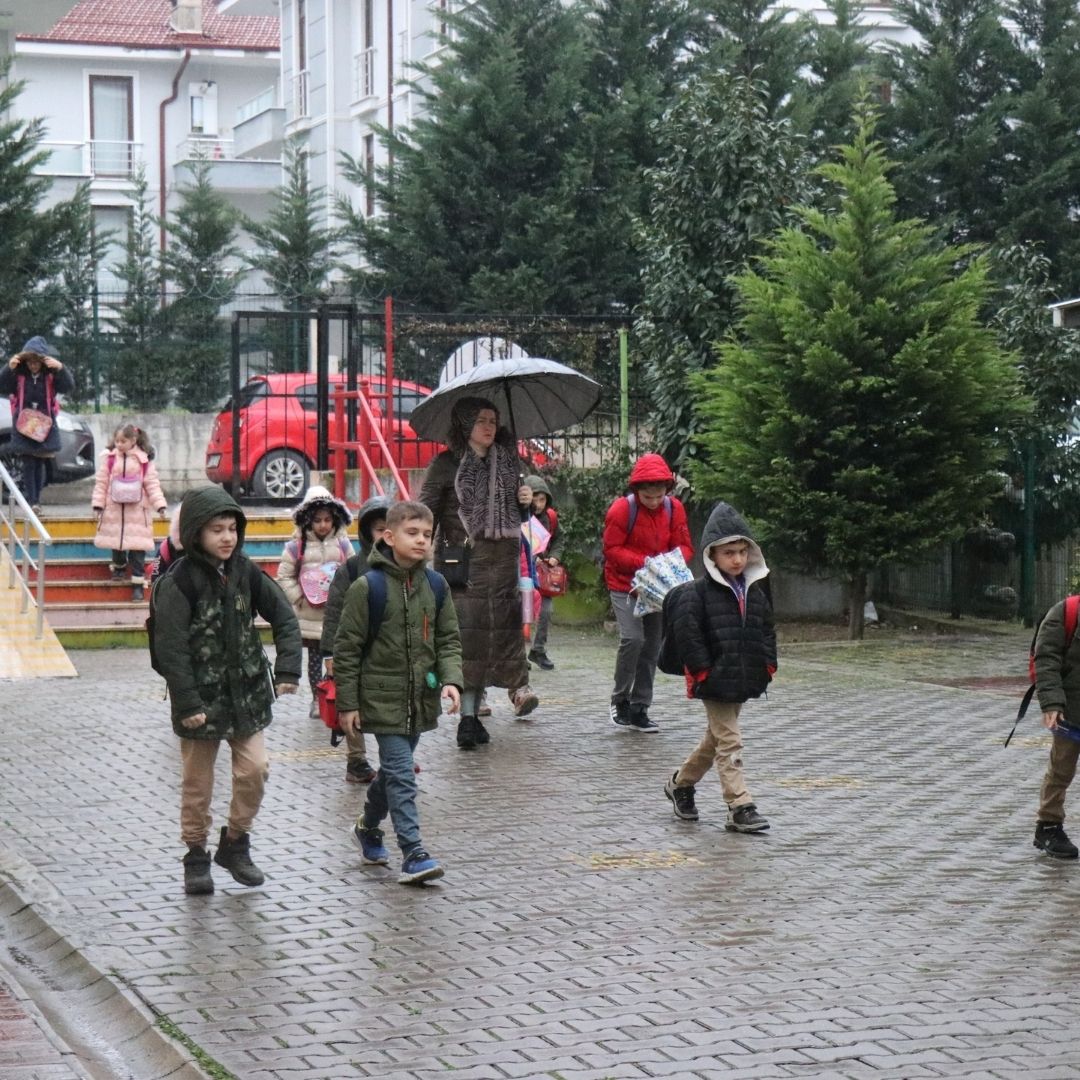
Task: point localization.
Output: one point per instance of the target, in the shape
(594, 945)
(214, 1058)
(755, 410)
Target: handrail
(30, 521)
(370, 427)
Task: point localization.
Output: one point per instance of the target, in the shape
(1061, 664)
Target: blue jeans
(393, 791)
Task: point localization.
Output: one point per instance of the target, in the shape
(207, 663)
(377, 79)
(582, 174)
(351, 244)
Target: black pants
(314, 663)
(135, 559)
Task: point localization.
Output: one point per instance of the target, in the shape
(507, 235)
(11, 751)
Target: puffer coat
(37, 393)
(386, 678)
(336, 548)
(727, 645)
(126, 526)
(212, 656)
(489, 607)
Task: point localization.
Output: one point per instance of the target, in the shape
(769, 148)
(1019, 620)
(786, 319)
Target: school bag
(632, 518)
(1072, 611)
(325, 689)
(315, 580)
(124, 488)
(669, 661)
(180, 571)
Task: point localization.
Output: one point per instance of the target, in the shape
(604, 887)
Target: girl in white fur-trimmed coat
(309, 561)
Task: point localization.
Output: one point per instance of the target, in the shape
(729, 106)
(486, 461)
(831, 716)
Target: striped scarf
(487, 493)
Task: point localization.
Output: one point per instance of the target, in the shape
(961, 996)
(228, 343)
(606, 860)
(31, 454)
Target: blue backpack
(376, 598)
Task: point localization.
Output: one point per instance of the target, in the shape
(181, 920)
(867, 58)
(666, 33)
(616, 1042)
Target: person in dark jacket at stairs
(723, 635)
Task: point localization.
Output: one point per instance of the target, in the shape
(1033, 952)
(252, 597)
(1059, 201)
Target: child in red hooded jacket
(648, 521)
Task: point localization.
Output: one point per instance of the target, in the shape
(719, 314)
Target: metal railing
(364, 69)
(114, 157)
(9, 526)
(210, 147)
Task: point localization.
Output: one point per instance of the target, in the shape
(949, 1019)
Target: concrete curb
(100, 1025)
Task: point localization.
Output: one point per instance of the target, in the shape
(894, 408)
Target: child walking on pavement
(648, 521)
(370, 523)
(319, 546)
(126, 494)
(1057, 682)
(389, 678)
(721, 632)
(543, 509)
(209, 650)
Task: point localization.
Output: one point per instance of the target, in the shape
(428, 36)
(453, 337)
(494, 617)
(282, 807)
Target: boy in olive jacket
(1057, 682)
(389, 681)
(210, 652)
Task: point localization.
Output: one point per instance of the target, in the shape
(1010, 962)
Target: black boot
(235, 856)
(198, 881)
(482, 736)
(1050, 837)
(467, 734)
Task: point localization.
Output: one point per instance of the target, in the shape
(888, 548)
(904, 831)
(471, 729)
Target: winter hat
(375, 507)
(319, 498)
(651, 469)
(36, 346)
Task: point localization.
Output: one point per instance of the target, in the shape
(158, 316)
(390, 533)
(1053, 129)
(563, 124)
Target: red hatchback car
(279, 434)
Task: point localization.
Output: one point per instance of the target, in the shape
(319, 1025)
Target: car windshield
(249, 394)
(405, 399)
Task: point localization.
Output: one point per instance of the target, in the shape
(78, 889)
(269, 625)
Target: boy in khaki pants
(719, 630)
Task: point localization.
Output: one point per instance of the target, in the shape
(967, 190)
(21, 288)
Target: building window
(367, 22)
(443, 7)
(369, 172)
(111, 125)
(112, 225)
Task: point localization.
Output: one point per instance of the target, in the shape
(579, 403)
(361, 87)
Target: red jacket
(653, 533)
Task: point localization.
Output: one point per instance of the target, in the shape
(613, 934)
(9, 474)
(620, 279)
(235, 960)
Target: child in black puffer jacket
(720, 630)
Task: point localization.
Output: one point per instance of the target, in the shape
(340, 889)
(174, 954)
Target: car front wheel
(282, 474)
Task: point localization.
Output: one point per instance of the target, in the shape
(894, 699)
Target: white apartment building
(124, 83)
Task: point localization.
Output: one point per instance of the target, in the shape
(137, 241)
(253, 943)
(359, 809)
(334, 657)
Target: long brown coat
(126, 526)
(489, 607)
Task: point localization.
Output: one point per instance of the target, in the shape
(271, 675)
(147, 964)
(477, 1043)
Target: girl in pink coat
(126, 493)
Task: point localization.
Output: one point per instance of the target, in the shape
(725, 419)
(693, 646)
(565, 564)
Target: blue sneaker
(419, 867)
(370, 842)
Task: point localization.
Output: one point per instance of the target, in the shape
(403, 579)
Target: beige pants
(721, 744)
(1059, 773)
(357, 747)
(250, 768)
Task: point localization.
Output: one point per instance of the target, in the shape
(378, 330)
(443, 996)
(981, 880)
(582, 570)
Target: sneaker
(745, 819)
(117, 573)
(639, 720)
(419, 867)
(198, 881)
(682, 799)
(235, 856)
(1050, 837)
(313, 712)
(523, 700)
(359, 772)
(467, 733)
(137, 595)
(619, 712)
(542, 661)
(370, 843)
(482, 736)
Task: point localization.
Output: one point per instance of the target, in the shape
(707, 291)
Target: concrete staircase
(87, 610)
(24, 655)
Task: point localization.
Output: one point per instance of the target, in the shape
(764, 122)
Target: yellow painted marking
(23, 656)
(820, 782)
(1027, 742)
(306, 755)
(636, 860)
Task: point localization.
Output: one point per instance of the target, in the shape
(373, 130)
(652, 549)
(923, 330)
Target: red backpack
(1072, 612)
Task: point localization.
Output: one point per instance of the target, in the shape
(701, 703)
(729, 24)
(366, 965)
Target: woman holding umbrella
(475, 492)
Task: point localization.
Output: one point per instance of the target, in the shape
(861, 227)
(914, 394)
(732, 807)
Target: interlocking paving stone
(888, 925)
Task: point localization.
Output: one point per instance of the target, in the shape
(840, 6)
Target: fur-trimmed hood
(726, 525)
(320, 498)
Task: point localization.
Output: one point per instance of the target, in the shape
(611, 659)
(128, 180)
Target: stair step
(83, 526)
(96, 570)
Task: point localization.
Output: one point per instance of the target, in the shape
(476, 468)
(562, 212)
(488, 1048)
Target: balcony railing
(364, 65)
(300, 93)
(100, 158)
(258, 104)
(210, 147)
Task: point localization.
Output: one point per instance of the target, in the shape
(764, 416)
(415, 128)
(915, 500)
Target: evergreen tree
(840, 66)
(141, 366)
(201, 234)
(80, 262)
(1049, 365)
(947, 125)
(855, 416)
(293, 250)
(1042, 197)
(31, 238)
(726, 178)
(758, 40)
(481, 202)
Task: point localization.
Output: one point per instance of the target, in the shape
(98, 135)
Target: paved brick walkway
(896, 921)
(27, 1049)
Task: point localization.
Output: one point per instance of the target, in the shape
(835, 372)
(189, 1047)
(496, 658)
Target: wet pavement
(895, 922)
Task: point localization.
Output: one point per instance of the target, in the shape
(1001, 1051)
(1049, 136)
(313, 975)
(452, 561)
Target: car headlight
(66, 423)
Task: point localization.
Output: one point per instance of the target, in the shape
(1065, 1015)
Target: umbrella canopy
(533, 396)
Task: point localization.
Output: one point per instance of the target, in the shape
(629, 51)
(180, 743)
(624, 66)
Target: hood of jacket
(373, 508)
(724, 526)
(651, 469)
(198, 508)
(541, 486)
(38, 346)
(320, 498)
